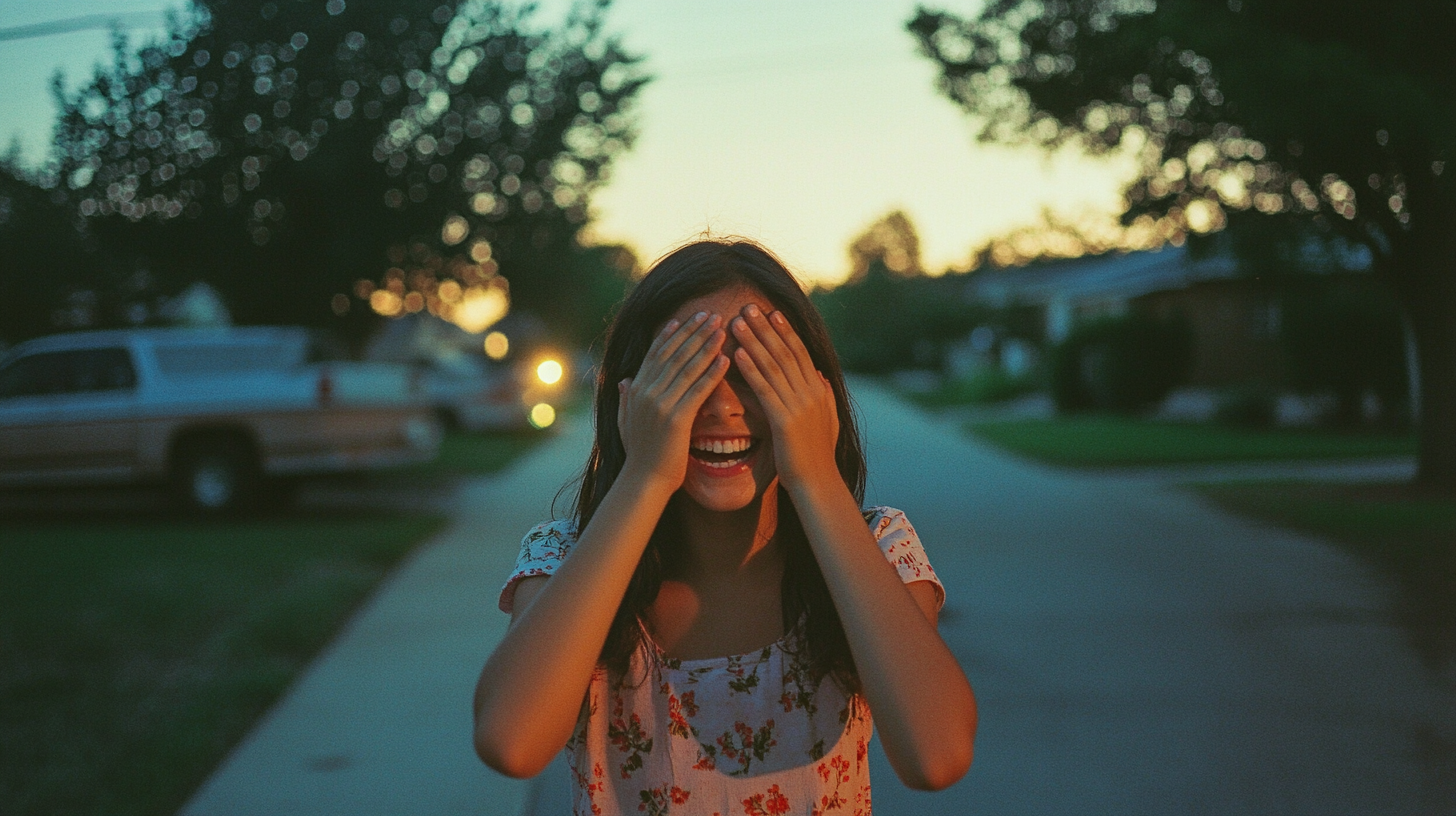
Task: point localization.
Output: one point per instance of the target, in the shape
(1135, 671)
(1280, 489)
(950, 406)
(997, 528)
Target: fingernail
(739, 324)
(700, 316)
(671, 324)
(714, 320)
(777, 317)
(752, 310)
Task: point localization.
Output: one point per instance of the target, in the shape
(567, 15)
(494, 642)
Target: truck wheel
(215, 476)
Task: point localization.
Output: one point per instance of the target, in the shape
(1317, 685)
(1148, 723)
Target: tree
(1339, 114)
(891, 241)
(889, 315)
(308, 158)
(52, 276)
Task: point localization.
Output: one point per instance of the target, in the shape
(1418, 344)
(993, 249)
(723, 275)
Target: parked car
(221, 414)
(472, 393)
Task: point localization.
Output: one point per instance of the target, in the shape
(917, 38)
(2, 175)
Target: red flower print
(770, 803)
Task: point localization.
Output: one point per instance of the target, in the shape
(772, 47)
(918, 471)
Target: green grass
(1408, 535)
(1110, 441)
(134, 652)
(464, 453)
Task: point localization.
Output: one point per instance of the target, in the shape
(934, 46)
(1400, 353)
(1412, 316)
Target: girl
(711, 631)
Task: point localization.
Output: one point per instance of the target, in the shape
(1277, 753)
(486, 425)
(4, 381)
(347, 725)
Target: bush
(1249, 406)
(1121, 364)
(1347, 341)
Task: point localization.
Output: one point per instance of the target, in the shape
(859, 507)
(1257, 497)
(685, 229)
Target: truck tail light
(325, 387)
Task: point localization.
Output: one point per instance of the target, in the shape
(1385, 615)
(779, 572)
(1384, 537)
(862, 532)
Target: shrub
(1250, 406)
(1347, 341)
(1122, 364)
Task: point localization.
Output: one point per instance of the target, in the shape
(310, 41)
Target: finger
(782, 355)
(698, 392)
(668, 341)
(673, 365)
(767, 395)
(751, 341)
(795, 345)
(694, 367)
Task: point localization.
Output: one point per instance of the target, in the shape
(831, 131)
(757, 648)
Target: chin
(725, 492)
(721, 498)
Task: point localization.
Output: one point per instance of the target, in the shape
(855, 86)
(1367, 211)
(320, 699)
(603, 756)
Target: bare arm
(531, 688)
(920, 697)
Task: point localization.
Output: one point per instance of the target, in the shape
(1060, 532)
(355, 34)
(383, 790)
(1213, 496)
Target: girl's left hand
(795, 396)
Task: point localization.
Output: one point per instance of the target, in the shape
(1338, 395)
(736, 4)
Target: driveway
(1133, 649)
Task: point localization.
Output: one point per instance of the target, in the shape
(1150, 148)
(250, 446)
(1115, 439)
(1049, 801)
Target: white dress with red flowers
(750, 734)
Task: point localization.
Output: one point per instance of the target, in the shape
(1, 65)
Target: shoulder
(890, 527)
(543, 548)
(551, 534)
(901, 546)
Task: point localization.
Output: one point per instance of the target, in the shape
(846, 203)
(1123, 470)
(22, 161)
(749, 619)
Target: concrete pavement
(1134, 650)
(380, 722)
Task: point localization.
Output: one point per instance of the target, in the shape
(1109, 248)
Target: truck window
(60, 372)
(227, 358)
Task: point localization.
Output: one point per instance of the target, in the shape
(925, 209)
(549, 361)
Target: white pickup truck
(221, 414)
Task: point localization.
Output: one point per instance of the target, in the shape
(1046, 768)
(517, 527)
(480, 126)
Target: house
(1234, 317)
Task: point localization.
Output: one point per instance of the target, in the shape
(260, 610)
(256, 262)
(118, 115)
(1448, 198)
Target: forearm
(922, 702)
(531, 688)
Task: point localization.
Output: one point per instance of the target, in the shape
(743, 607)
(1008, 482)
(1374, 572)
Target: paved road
(1133, 650)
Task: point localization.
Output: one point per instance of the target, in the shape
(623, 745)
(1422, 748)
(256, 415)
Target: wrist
(647, 479)
(812, 495)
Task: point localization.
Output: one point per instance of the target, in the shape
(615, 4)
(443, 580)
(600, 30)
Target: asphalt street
(1133, 649)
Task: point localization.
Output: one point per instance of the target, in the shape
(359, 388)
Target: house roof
(1113, 275)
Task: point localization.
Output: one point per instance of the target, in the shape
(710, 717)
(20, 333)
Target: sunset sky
(798, 124)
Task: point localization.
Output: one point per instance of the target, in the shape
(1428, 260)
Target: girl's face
(730, 459)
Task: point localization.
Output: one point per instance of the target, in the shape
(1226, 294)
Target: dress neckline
(679, 663)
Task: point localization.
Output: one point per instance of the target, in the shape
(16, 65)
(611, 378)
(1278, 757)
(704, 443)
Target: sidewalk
(380, 722)
(1133, 649)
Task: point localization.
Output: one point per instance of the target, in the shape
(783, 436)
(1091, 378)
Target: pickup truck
(222, 415)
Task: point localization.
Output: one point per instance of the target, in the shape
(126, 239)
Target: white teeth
(723, 445)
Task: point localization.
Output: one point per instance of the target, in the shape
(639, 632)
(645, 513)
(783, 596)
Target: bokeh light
(549, 372)
(497, 345)
(542, 415)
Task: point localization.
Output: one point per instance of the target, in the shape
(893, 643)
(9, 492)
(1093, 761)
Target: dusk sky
(797, 124)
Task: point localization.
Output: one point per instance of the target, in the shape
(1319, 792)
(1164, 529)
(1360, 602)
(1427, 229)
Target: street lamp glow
(549, 372)
(497, 345)
(542, 415)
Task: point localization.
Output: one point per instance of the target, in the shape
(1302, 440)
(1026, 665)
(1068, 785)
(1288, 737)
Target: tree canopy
(1333, 118)
(318, 160)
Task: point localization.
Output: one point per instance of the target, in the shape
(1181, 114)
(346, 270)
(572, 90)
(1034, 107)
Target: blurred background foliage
(1336, 119)
(1123, 364)
(321, 163)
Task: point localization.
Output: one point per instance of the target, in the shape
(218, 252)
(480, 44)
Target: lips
(723, 456)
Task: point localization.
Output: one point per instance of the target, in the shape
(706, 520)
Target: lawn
(134, 652)
(1408, 535)
(1110, 441)
(136, 647)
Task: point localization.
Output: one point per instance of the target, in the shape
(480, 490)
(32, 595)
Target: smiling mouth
(720, 453)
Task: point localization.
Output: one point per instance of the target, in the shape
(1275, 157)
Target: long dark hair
(697, 270)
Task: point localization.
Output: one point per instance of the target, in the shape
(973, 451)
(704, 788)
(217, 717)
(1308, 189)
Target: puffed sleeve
(901, 546)
(542, 551)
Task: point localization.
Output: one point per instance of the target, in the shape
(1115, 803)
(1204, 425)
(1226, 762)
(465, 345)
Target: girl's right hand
(656, 409)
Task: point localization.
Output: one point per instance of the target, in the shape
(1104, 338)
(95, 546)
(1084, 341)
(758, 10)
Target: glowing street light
(549, 372)
(542, 415)
(497, 345)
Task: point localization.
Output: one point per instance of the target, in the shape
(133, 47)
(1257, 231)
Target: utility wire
(85, 22)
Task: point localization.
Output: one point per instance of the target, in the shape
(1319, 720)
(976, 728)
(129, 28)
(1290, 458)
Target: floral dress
(750, 734)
